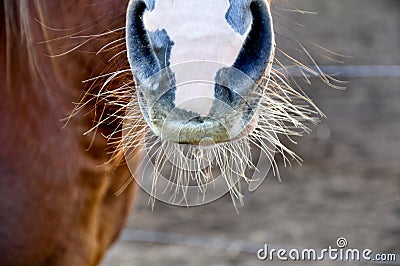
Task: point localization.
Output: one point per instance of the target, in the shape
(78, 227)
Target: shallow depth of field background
(349, 183)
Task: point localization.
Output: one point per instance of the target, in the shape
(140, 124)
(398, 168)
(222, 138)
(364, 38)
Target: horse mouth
(194, 131)
(205, 133)
(200, 130)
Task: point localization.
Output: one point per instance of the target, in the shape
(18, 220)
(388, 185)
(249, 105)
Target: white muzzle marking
(196, 36)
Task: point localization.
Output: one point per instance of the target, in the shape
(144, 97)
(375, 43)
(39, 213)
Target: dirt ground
(349, 183)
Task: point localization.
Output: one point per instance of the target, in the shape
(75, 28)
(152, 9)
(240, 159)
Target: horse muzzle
(200, 66)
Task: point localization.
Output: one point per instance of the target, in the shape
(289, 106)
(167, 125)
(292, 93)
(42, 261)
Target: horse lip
(193, 133)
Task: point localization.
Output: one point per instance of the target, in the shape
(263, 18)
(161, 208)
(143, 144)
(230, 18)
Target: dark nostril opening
(197, 119)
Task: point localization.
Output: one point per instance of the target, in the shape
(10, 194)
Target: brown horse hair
(22, 56)
(57, 204)
(18, 40)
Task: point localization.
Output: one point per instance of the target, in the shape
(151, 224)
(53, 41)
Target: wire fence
(342, 71)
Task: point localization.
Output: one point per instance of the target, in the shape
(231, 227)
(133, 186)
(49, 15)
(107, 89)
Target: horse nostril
(257, 52)
(142, 60)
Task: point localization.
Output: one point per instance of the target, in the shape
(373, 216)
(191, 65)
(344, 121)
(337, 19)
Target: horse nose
(191, 54)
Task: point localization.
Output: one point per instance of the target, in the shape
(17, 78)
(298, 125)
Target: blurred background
(349, 183)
